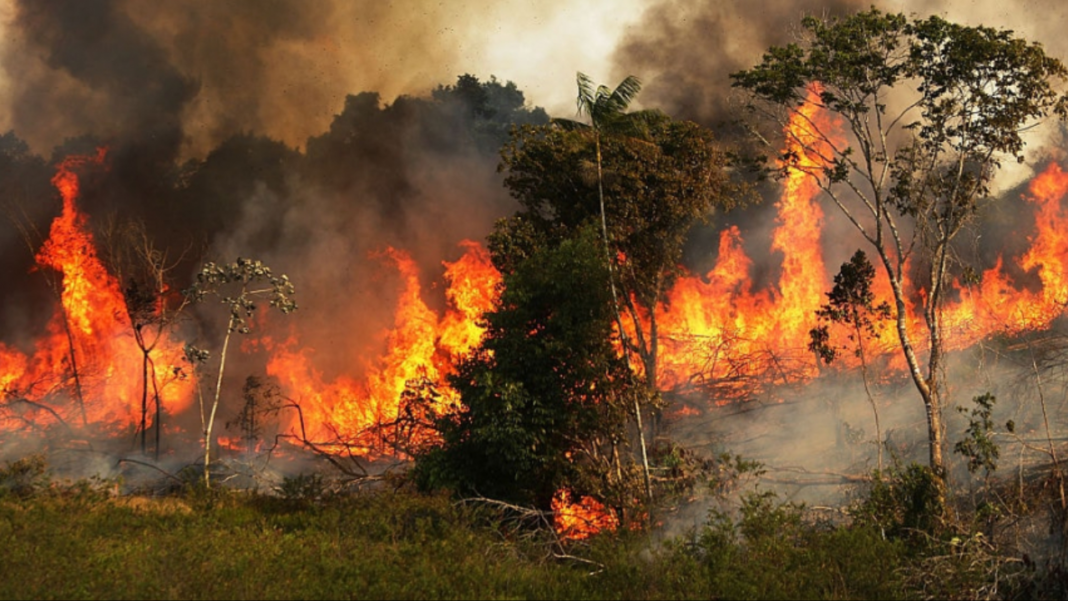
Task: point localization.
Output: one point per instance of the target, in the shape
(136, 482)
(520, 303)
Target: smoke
(279, 68)
(312, 136)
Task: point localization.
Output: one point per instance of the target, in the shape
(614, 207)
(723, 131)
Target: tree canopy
(928, 109)
(544, 398)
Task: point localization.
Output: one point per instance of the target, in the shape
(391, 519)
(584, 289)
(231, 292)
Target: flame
(718, 328)
(719, 334)
(997, 305)
(581, 520)
(421, 346)
(88, 352)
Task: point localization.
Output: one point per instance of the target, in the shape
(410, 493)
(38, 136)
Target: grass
(80, 543)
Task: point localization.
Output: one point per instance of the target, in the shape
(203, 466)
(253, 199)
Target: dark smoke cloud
(210, 70)
(109, 74)
(686, 51)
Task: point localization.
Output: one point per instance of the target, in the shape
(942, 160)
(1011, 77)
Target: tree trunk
(210, 422)
(619, 317)
(927, 387)
(78, 393)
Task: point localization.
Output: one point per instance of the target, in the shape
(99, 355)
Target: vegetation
(546, 401)
(145, 272)
(553, 399)
(545, 397)
(931, 108)
(311, 539)
(238, 285)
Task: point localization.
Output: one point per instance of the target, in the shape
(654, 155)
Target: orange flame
(716, 331)
(718, 328)
(89, 349)
(581, 520)
(421, 345)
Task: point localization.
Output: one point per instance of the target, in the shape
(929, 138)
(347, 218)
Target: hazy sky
(283, 67)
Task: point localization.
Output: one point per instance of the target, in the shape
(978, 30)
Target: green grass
(81, 544)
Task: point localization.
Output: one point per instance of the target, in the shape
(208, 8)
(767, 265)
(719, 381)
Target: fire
(421, 346)
(719, 333)
(86, 369)
(583, 519)
(718, 329)
(722, 336)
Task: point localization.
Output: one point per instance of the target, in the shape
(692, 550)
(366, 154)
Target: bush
(24, 477)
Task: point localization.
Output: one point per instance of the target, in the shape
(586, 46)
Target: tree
(544, 399)
(644, 179)
(236, 285)
(930, 108)
(263, 400)
(852, 303)
(144, 271)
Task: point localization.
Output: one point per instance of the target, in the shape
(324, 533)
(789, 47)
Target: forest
(454, 346)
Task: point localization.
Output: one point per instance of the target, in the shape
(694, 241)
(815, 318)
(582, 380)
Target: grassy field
(81, 541)
(78, 542)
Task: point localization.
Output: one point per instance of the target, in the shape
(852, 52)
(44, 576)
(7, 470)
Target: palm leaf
(569, 124)
(605, 105)
(586, 99)
(625, 93)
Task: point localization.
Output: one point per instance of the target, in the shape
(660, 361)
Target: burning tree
(144, 270)
(932, 108)
(237, 285)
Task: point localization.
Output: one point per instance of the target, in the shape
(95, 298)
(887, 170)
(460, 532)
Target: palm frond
(636, 124)
(569, 124)
(624, 94)
(586, 99)
(607, 107)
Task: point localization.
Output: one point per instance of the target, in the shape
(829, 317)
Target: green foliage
(772, 550)
(656, 187)
(976, 86)
(850, 302)
(902, 503)
(373, 546)
(79, 544)
(302, 488)
(978, 445)
(545, 396)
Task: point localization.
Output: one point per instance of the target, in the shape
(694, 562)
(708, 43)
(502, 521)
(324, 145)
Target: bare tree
(144, 272)
(237, 285)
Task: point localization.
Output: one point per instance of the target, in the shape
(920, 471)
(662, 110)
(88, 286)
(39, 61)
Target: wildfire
(86, 368)
(718, 332)
(718, 328)
(582, 519)
(421, 347)
(723, 336)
